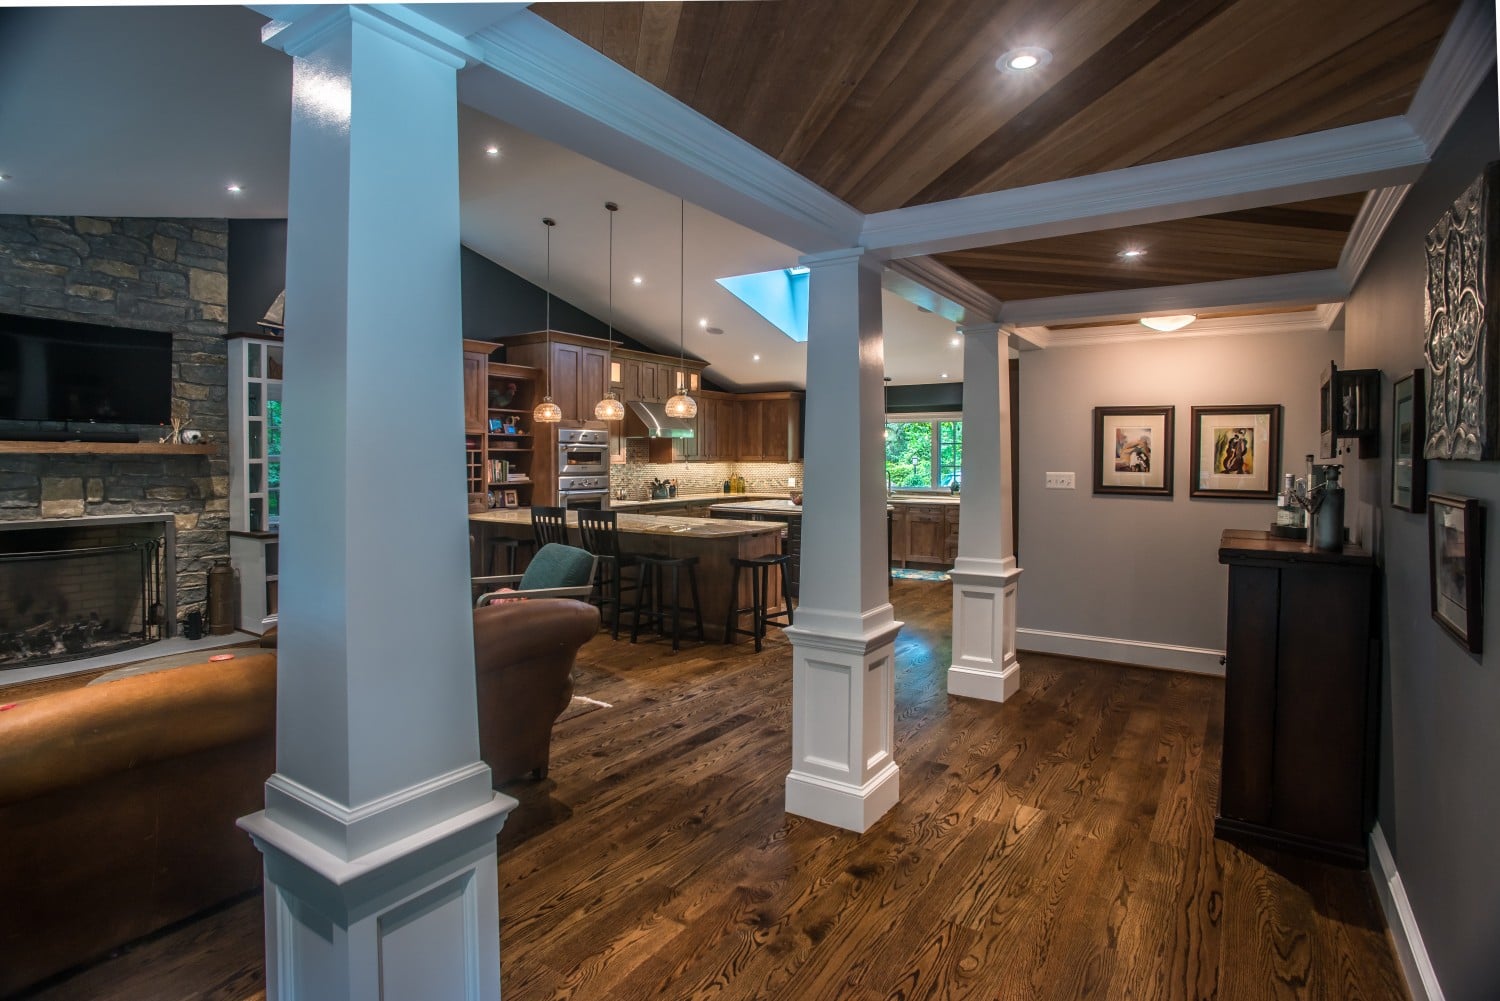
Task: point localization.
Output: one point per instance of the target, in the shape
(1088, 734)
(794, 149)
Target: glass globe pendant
(548, 412)
(610, 408)
(682, 405)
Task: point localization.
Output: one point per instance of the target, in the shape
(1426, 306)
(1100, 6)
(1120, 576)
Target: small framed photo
(1237, 452)
(1133, 449)
(510, 498)
(1455, 529)
(1408, 433)
(497, 425)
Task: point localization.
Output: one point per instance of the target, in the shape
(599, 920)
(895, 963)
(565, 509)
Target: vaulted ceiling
(889, 103)
(1279, 239)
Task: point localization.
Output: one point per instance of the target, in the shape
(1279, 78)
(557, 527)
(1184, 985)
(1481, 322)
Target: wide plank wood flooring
(1059, 846)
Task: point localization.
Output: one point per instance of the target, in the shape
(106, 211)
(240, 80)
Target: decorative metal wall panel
(1461, 337)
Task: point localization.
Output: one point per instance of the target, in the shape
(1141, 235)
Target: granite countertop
(780, 506)
(923, 499)
(621, 505)
(647, 524)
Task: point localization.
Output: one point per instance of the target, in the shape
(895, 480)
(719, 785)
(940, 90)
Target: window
(923, 452)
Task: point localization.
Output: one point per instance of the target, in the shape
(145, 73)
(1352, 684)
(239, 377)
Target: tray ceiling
(1275, 240)
(887, 103)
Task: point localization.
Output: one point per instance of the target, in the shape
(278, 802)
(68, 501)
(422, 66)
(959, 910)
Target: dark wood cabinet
(476, 381)
(752, 430)
(927, 534)
(1300, 697)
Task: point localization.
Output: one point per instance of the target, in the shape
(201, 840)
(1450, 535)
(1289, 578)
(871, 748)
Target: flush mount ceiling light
(1024, 59)
(610, 408)
(715, 331)
(1166, 324)
(1131, 254)
(548, 412)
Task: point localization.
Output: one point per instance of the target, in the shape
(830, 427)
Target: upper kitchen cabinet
(476, 381)
(769, 427)
(577, 368)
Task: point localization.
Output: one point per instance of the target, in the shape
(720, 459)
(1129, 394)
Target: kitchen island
(714, 541)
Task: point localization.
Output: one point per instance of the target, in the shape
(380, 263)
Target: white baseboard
(1191, 659)
(1421, 978)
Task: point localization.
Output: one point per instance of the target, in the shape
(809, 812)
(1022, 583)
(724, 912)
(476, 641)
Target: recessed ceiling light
(945, 375)
(1131, 254)
(957, 340)
(234, 189)
(755, 357)
(637, 280)
(1168, 323)
(716, 331)
(703, 322)
(492, 151)
(1024, 59)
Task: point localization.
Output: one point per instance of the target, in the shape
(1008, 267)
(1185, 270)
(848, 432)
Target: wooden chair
(600, 533)
(549, 525)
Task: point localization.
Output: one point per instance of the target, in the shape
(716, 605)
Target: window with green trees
(924, 452)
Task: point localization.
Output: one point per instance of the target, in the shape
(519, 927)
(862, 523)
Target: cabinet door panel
(774, 428)
(751, 431)
(593, 381)
(926, 534)
(566, 366)
(1250, 694)
(476, 386)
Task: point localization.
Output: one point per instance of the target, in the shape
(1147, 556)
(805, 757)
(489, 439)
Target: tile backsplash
(636, 474)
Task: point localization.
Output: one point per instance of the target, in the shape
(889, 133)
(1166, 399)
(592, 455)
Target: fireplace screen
(64, 598)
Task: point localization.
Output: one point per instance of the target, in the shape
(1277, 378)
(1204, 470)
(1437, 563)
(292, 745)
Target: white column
(380, 822)
(843, 675)
(984, 575)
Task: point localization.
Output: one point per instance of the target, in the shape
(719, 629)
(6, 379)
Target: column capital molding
(846, 255)
(310, 31)
(993, 329)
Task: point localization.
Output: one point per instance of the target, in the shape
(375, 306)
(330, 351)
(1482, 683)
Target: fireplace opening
(69, 593)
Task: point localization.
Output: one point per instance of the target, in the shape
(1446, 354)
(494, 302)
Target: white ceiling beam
(1307, 289)
(1335, 162)
(1461, 63)
(936, 288)
(543, 80)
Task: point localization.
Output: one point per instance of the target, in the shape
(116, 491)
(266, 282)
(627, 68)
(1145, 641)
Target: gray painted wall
(1146, 568)
(1440, 739)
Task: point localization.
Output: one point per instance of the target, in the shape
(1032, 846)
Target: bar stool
(600, 533)
(549, 524)
(512, 549)
(760, 580)
(649, 594)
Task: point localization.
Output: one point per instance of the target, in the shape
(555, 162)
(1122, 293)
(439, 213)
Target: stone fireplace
(83, 587)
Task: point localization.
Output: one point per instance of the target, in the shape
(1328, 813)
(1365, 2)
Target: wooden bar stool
(650, 592)
(760, 581)
(600, 533)
(511, 548)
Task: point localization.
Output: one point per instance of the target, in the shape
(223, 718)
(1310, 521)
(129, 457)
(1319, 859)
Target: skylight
(780, 296)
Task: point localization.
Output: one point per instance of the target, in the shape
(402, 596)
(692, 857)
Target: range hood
(650, 420)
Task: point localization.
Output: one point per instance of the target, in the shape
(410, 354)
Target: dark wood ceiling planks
(888, 103)
(1275, 240)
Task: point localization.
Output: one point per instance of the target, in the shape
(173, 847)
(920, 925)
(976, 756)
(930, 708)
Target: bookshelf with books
(499, 444)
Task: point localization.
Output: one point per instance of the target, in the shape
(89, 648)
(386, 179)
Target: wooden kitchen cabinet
(1301, 691)
(752, 431)
(898, 534)
(579, 376)
(476, 384)
(926, 534)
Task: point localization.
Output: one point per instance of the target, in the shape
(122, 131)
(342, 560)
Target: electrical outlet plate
(1060, 481)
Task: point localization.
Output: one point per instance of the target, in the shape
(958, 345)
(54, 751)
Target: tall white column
(843, 675)
(985, 573)
(380, 822)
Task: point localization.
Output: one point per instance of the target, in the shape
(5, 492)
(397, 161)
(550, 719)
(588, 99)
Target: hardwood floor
(1059, 846)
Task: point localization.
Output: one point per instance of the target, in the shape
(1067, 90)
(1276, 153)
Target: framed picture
(1237, 452)
(1133, 450)
(1455, 529)
(510, 498)
(1408, 467)
(497, 425)
(1462, 338)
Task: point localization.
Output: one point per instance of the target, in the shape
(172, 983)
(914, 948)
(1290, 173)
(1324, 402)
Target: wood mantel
(103, 448)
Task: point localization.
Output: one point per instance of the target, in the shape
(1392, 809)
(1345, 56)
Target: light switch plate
(1060, 481)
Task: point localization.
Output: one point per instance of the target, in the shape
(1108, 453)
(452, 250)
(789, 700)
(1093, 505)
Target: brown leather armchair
(523, 659)
(117, 808)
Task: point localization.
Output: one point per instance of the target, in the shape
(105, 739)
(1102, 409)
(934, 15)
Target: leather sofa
(117, 808)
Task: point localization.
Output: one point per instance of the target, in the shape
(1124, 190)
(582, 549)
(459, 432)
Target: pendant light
(610, 408)
(682, 405)
(548, 412)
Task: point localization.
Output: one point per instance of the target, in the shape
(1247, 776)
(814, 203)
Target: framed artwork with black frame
(1455, 565)
(1408, 435)
(1133, 449)
(1237, 452)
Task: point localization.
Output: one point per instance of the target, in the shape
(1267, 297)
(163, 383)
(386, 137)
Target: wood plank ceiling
(1279, 239)
(888, 103)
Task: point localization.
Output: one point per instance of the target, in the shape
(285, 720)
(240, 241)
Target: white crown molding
(541, 79)
(1460, 64)
(1301, 321)
(1306, 289)
(1335, 162)
(1374, 217)
(1330, 314)
(924, 282)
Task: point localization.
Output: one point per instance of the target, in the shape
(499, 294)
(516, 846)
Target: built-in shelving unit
(255, 372)
(497, 395)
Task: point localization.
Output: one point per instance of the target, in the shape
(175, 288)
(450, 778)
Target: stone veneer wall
(636, 474)
(160, 274)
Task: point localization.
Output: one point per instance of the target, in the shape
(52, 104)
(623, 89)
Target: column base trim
(1416, 965)
(852, 807)
(994, 686)
(1190, 660)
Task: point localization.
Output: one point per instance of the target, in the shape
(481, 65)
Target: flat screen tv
(59, 370)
